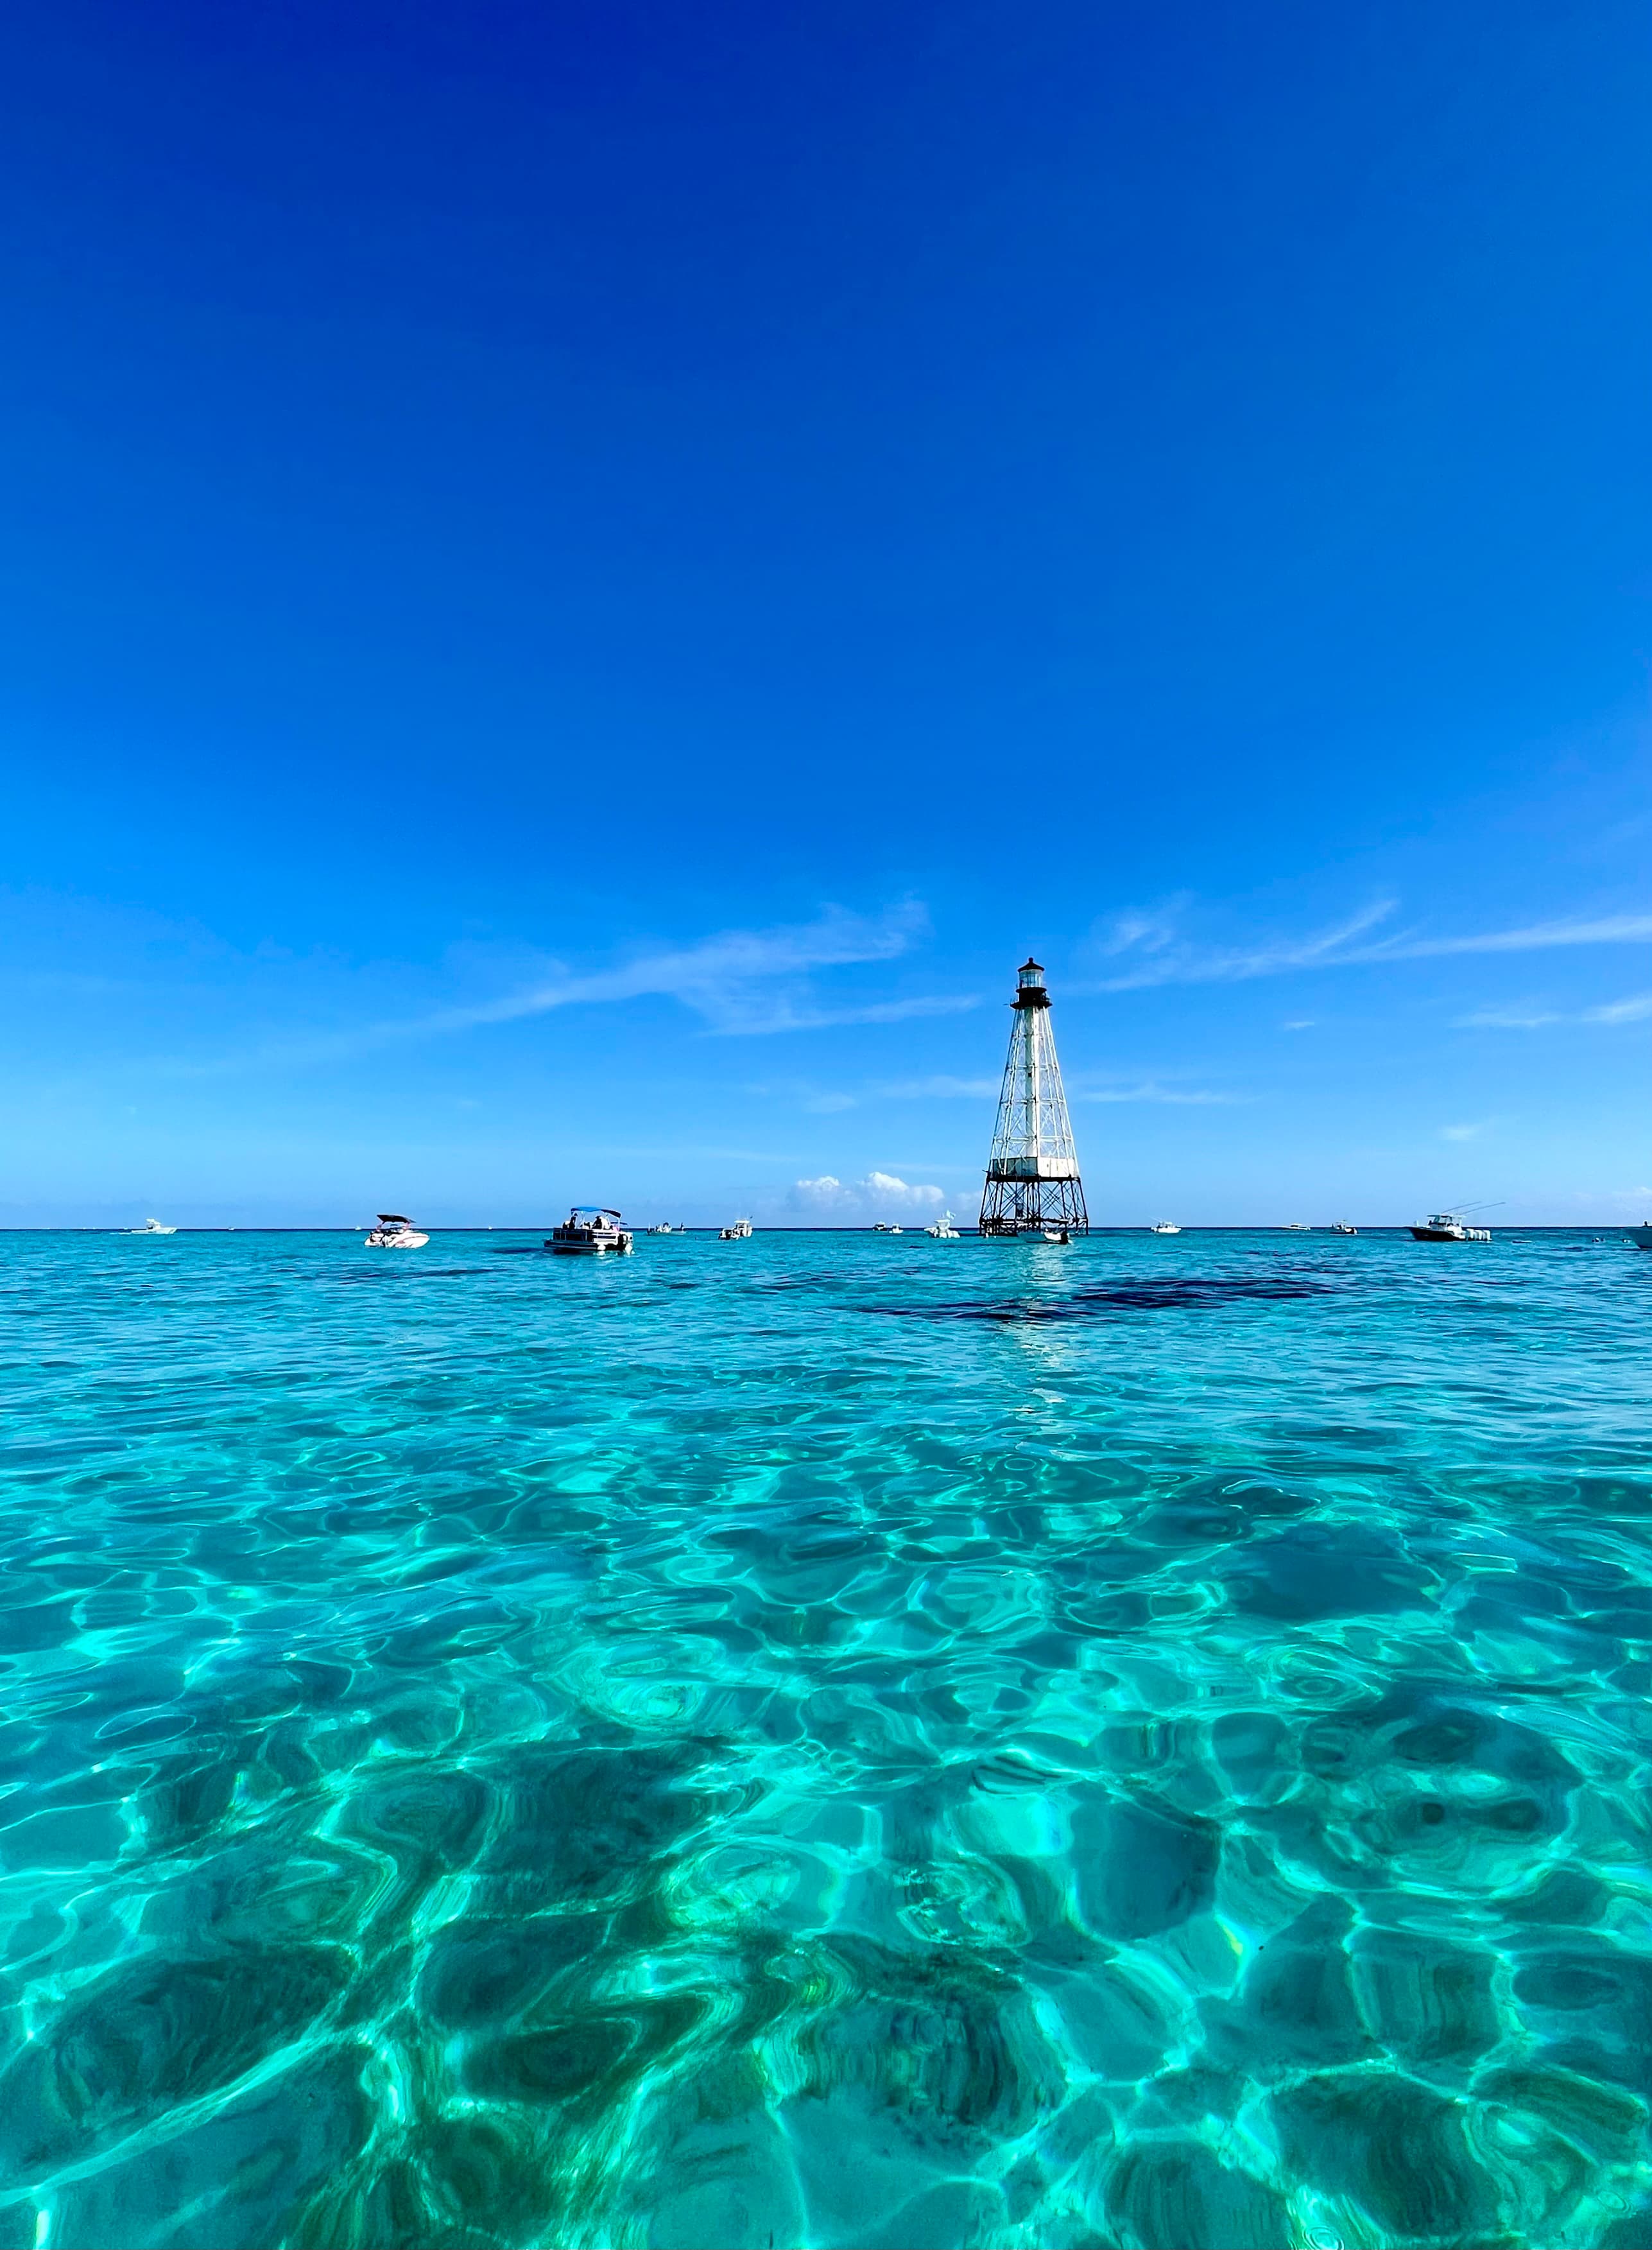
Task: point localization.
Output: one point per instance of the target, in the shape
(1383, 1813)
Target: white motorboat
(1164, 1226)
(740, 1231)
(943, 1230)
(666, 1227)
(1057, 1234)
(394, 1232)
(1297, 1226)
(1448, 1226)
(149, 1226)
(1343, 1228)
(590, 1230)
(1641, 1236)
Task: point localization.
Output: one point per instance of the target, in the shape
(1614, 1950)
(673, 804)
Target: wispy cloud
(1159, 955)
(1536, 937)
(1506, 1019)
(1634, 1009)
(943, 1088)
(1461, 1132)
(1150, 1090)
(1168, 959)
(940, 1088)
(740, 983)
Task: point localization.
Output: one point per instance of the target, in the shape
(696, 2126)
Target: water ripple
(921, 1743)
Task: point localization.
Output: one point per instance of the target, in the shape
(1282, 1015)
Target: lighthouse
(1032, 1177)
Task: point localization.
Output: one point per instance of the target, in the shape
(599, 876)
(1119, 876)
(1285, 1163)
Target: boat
(1164, 1226)
(741, 1231)
(1641, 1236)
(943, 1230)
(883, 1226)
(666, 1227)
(1448, 1226)
(1056, 1234)
(1343, 1228)
(394, 1232)
(590, 1230)
(1297, 1226)
(149, 1226)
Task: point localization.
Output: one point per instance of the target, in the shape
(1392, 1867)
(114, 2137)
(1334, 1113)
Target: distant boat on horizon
(1448, 1226)
(740, 1231)
(1343, 1228)
(943, 1230)
(1164, 1226)
(149, 1226)
(394, 1232)
(590, 1230)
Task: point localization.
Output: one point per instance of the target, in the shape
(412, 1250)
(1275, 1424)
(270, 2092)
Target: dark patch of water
(1187, 1293)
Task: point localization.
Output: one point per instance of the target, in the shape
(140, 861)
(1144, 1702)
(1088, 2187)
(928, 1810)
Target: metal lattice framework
(1032, 1177)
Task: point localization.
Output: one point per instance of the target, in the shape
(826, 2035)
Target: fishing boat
(943, 1230)
(590, 1230)
(1164, 1226)
(149, 1226)
(740, 1231)
(1343, 1228)
(1448, 1226)
(394, 1232)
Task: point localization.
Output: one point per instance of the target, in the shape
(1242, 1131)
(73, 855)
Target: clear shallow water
(825, 1741)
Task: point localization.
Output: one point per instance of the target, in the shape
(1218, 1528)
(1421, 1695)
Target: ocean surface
(826, 1740)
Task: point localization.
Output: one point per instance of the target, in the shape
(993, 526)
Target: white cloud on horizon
(878, 1195)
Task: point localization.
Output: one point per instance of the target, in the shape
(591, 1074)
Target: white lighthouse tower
(1032, 1177)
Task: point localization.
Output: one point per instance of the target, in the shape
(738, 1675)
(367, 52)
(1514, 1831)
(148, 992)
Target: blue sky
(582, 583)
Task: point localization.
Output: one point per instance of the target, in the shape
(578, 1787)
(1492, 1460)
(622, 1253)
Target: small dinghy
(394, 1232)
(590, 1230)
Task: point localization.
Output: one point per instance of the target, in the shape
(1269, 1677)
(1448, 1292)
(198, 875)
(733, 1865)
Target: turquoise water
(826, 1740)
